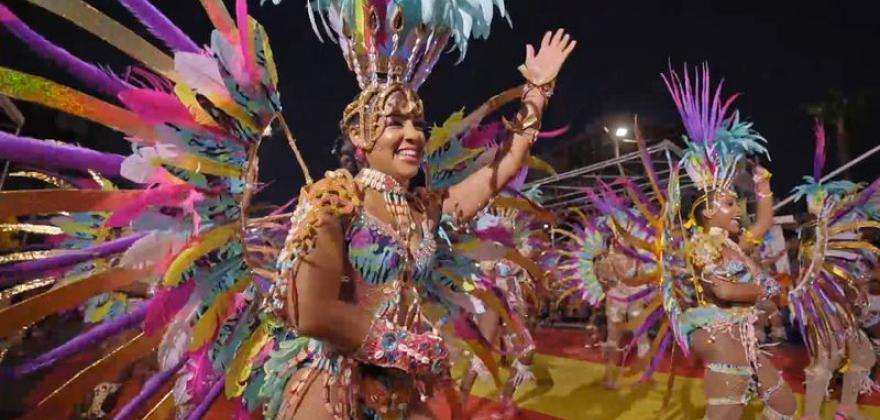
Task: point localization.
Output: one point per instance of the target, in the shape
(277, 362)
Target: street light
(621, 132)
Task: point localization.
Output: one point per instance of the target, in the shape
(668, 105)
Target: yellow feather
(207, 243)
(186, 97)
(541, 165)
(440, 135)
(204, 166)
(207, 325)
(242, 365)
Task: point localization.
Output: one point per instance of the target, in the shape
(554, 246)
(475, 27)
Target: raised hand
(542, 68)
(761, 178)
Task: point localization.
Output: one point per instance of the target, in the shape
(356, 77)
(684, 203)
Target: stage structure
(567, 189)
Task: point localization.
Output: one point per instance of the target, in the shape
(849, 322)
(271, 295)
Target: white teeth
(409, 153)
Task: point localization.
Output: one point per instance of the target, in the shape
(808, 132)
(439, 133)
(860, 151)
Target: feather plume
(15, 273)
(89, 74)
(159, 25)
(819, 157)
(149, 389)
(165, 305)
(57, 155)
(207, 401)
(157, 108)
(83, 341)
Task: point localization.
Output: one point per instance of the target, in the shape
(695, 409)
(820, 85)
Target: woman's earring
(360, 155)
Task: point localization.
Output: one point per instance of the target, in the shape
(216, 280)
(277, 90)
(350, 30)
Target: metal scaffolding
(568, 189)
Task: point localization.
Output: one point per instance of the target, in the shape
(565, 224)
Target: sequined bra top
(378, 254)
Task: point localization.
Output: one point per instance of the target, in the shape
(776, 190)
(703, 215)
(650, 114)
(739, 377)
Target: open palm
(543, 67)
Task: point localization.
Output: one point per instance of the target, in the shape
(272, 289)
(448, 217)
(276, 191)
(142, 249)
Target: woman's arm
(734, 292)
(640, 279)
(318, 280)
(764, 220)
(468, 197)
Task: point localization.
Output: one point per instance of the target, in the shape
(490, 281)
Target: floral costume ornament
(195, 118)
(828, 298)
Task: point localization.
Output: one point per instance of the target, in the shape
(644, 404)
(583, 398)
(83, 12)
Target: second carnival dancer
(601, 267)
(717, 322)
(332, 329)
(509, 284)
(830, 298)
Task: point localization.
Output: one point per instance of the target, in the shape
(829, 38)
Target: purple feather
(862, 199)
(48, 154)
(150, 387)
(658, 358)
(639, 295)
(647, 163)
(15, 273)
(702, 117)
(629, 252)
(811, 308)
(649, 322)
(838, 289)
(826, 301)
(83, 341)
(159, 25)
(87, 73)
(796, 300)
(640, 194)
(819, 157)
(205, 404)
(166, 304)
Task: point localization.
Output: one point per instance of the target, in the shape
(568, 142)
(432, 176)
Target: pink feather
(496, 233)
(465, 330)
(553, 133)
(519, 180)
(239, 302)
(200, 367)
(481, 136)
(819, 157)
(246, 41)
(241, 412)
(174, 195)
(157, 107)
(165, 305)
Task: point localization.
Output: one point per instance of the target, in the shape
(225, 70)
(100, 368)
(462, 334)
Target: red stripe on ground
(790, 358)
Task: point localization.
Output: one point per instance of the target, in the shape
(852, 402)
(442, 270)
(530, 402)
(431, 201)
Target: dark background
(785, 57)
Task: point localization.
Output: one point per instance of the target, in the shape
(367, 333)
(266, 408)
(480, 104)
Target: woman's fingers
(569, 48)
(558, 35)
(546, 40)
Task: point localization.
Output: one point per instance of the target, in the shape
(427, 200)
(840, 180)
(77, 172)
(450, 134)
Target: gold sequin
(26, 287)
(30, 228)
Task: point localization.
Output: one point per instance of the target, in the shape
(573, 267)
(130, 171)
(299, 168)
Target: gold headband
(692, 217)
(369, 109)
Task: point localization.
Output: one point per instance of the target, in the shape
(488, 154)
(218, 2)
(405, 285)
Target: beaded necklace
(396, 202)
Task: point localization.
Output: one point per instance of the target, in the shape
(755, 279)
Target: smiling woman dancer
(719, 323)
(381, 246)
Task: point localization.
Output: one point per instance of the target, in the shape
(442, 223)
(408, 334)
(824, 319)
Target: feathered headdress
(384, 41)
(816, 192)
(716, 139)
(392, 46)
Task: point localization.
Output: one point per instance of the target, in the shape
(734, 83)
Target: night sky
(781, 55)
